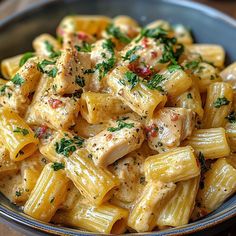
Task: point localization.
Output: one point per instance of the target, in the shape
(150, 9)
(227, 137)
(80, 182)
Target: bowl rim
(205, 223)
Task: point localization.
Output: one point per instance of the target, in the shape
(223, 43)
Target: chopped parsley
(192, 65)
(142, 180)
(89, 71)
(18, 193)
(156, 33)
(189, 96)
(231, 117)
(24, 132)
(80, 81)
(116, 33)
(18, 79)
(67, 146)
(132, 79)
(130, 55)
(42, 68)
(57, 166)
(3, 89)
(25, 58)
(154, 82)
(202, 161)
(221, 102)
(52, 200)
(104, 67)
(173, 68)
(51, 51)
(121, 124)
(86, 47)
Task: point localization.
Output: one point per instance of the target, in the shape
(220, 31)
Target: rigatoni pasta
(112, 127)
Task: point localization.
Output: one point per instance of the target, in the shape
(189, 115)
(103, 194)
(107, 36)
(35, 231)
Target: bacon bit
(41, 131)
(55, 103)
(82, 36)
(203, 212)
(145, 42)
(109, 137)
(151, 131)
(141, 71)
(154, 54)
(174, 117)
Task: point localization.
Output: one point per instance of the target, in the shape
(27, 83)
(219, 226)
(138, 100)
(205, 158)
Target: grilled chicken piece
(168, 127)
(115, 142)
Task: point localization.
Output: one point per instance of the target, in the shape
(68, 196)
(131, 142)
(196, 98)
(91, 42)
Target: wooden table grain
(9, 6)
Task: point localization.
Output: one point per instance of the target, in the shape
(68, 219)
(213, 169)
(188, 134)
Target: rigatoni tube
(16, 135)
(219, 183)
(218, 104)
(105, 218)
(178, 209)
(173, 166)
(48, 193)
(94, 183)
(212, 143)
(143, 216)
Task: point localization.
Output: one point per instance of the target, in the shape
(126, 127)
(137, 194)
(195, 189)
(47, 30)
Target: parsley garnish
(189, 96)
(67, 146)
(80, 81)
(89, 71)
(130, 55)
(50, 49)
(132, 79)
(116, 33)
(3, 89)
(57, 166)
(17, 80)
(24, 132)
(202, 161)
(231, 117)
(86, 47)
(121, 125)
(25, 58)
(154, 82)
(18, 193)
(105, 66)
(173, 68)
(221, 102)
(192, 65)
(42, 68)
(156, 33)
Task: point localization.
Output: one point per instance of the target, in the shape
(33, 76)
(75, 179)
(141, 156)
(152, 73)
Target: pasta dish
(112, 128)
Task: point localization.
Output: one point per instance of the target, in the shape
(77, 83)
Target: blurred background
(8, 7)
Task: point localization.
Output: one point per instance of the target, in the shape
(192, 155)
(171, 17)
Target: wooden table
(9, 6)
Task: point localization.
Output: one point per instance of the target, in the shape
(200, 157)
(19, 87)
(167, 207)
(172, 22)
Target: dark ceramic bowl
(208, 26)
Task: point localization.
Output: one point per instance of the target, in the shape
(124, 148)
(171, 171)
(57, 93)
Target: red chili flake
(154, 54)
(151, 131)
(41, 131)
(145, 42)
(82, 36)
(109, 137)
(174, 117)
(55, 103)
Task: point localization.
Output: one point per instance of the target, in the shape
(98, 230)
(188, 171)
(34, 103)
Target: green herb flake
(104, 67)
(25, 58)
(18, 193)
(156, 33)
(57, 166)
(51, 51)
(192, 65)
(154, 82)
(202, 162)
(86, 47)
(24, 132)
(132, 79)
(221, 101)
(3, 89)
(173, 68)
(67, 146)
(18, 79)
(121, 124)
(130, 54)
(189, 96)
(42, 68)
(52, 200)
(116, 33)
(231, 117)
(142, 180)
(109, 46)
(89, 71)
